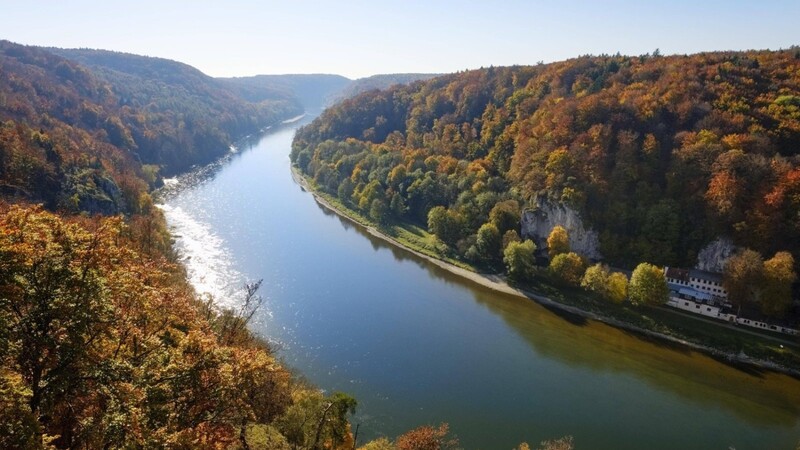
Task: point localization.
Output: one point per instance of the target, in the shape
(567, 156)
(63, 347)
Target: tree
(611, 286)
(519, 259)
(779, 275)
(86, 325)
(345, 191)
(564, 443)
(509, 237)
(314, 421)
(617, 290)
(54, 296)
(379, 444)
(567, 267)
(558, 241)
(427, 438)
(378, 210)
(648, 285)
(489, 242)
(595, 279)
(398, 205)
(446, 224)
(19, 427)
(505, 215)
(743, 277)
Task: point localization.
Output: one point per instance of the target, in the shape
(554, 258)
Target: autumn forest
(104, 342)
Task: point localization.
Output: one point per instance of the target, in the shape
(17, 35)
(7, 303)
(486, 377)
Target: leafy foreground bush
(105, 346)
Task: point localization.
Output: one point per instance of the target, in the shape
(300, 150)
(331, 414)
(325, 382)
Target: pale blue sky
(358, 38)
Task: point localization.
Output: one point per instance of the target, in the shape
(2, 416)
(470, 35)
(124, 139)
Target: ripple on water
(207, 260)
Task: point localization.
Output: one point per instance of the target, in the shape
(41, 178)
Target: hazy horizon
(357, 39)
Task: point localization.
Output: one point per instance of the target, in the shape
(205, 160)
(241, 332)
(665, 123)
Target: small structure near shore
(702, 293)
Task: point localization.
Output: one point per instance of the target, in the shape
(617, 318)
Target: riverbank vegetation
(652, 152)
(719, 339)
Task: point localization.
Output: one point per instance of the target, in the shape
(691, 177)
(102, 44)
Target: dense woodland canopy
(176, 115)
(660, 155)
(103, 344)
(91, 138)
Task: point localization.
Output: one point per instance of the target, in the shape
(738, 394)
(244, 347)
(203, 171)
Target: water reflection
(760, 397)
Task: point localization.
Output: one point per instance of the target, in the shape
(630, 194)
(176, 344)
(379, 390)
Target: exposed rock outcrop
(714, 256)
(93, 192)
(538, 222)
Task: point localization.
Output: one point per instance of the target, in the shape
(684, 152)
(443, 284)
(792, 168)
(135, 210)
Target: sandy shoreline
(499, 284)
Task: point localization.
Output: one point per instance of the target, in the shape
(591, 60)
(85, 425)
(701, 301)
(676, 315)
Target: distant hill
(89, 132)
(177, 115)
(384, 81)
(311, 91)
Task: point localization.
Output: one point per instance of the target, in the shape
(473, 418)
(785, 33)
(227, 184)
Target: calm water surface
(416, 345)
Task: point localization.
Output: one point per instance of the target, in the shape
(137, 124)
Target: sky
(358, 38)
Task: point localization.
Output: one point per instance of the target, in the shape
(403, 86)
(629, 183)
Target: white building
(702, 293)
(700, 280)
(693, 301)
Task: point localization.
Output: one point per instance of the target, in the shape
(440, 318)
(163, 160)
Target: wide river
(416, 345)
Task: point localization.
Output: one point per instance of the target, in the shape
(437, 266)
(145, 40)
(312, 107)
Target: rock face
(714, 256)
(94, 192)
(538, 222)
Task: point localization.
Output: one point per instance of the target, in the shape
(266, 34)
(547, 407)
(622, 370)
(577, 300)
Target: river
(416, 345)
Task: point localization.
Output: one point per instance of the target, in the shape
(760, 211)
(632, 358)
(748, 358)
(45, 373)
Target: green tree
(489, 242)
(446, 224)
(743, 277)
(568, 268)
(660, 232)
(779, 275)
(505, 215)
(398, 205)
(378, 211)
(648, 285)
(557, 241)
(519, 260)
(315, 422)
(345, 191)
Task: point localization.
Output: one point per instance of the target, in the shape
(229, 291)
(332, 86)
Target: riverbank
(666, 333)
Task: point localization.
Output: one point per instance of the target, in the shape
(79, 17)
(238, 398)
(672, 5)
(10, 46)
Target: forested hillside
(176, 115)
(103, 344)
(382, 81)
(660, 155)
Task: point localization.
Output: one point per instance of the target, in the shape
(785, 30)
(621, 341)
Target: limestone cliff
(538, 222)
(713, 256)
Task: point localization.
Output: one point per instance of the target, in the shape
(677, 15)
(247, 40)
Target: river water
(416, 345)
